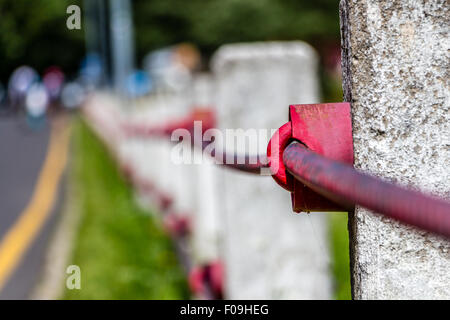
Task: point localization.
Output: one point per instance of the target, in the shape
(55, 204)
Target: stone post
(395, 65)
(269, 252)
(205, 238)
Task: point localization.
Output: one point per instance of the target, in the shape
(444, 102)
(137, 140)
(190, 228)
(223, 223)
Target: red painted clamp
(323, 128)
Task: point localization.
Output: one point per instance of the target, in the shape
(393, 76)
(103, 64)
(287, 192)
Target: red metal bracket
(323, 128)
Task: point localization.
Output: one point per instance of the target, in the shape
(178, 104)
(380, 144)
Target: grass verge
(340, 252)
(120, 249)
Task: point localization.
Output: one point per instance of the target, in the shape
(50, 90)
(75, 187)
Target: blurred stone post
(153, 157)
(395, 63)
(205, 238)
(269, 252)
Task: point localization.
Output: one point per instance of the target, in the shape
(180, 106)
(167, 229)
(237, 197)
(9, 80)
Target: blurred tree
(35, 33)
(211, 23)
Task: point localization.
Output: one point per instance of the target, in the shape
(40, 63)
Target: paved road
(25, 219)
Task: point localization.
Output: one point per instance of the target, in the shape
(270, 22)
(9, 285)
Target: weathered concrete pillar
(395, 64)
(269, 251)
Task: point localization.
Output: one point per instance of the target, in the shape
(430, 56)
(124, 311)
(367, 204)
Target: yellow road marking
(16, 242)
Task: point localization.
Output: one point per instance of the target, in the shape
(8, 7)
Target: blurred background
(127, 47)
(35, 34)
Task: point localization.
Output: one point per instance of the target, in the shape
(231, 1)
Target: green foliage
(121, 251)
(211, 23)
(35, 33)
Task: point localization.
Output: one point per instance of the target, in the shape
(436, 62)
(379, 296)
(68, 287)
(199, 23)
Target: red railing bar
(343, 184)
(248, 163)
(251, 163)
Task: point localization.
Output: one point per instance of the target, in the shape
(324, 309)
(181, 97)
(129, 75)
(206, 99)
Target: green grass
(121, 250)
(340, 252)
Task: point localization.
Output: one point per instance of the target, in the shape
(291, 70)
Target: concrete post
(269, 252)
(206, 235)
(152, 156)
(395, 65)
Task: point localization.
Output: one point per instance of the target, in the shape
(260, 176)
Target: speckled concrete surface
(396, 75)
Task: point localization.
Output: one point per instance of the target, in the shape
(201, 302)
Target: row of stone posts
(244, 221)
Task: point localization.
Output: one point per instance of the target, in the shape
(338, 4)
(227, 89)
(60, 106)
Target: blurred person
(91, 71)
(187, 55)
(53, 80)
(171, 67)
(19, 83)
(156, 62)
(36, 104)
(138, 84)
(73, 95)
